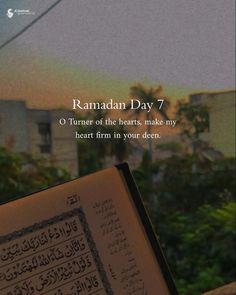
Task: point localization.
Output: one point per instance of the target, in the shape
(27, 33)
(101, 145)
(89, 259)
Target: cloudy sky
(89, 48)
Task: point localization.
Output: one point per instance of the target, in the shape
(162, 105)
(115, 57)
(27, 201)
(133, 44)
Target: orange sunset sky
(97, 51)
(49, 82)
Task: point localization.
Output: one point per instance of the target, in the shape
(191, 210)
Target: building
(221, 134)
(38, 132)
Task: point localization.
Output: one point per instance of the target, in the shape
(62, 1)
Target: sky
(99, 48)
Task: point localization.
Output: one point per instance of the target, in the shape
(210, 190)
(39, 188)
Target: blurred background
(183, 51)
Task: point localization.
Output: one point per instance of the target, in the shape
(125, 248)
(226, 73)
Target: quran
(87, 236)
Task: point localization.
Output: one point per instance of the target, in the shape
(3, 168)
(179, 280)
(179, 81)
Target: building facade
(221, 134)
(38, 132)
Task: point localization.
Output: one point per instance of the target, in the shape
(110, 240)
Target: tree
(149, 95)
(119, 147)
(88, 160)
(193, 119)
(92, 152)
(200, 247)
(194, 219)
(144, 175)
(23, 174)
(100, 145)
(180, 188)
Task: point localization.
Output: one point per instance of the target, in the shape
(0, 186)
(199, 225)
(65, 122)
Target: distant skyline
(89, 49)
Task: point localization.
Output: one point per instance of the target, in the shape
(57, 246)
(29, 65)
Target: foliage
(144, 176)
(172, 146)
(23, 174)
(87, 158)
(149, 95)
(200, 246)
(93, 152)
(194, 218)
(193, 119)
(188, 177)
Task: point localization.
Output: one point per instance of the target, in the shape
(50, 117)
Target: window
(44, 130)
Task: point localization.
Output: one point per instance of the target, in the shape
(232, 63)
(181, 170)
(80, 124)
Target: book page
(81, 237)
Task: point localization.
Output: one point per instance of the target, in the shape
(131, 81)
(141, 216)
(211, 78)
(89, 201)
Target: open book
(87, 236)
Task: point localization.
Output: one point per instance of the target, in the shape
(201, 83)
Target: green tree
(149, 95)
(193, 119)
(101, 146)
(92, 152)
(88, 160)
(200, 247)
(194, 218)
(184, 189)
(118, 146)
(23, 174)
(144, 175)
